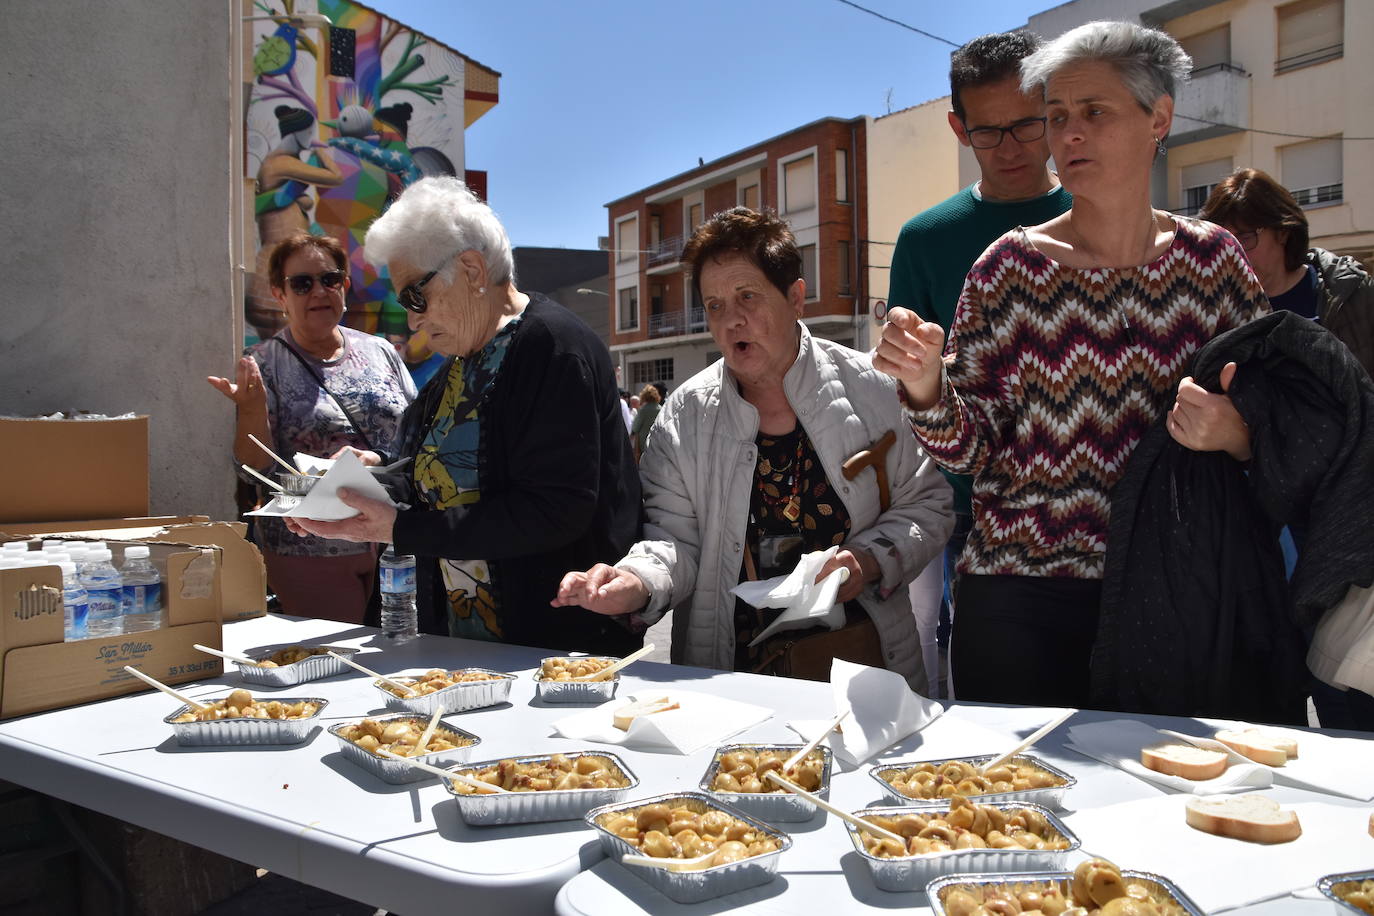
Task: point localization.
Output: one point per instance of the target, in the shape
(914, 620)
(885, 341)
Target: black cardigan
(560, 489)
(1197, 619)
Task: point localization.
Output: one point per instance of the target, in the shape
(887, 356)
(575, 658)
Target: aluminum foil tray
(575, 691)
(307, 669)
(1331, 885)
(780, 807)
(535, 807)
(246, 732)
(693, 886)
(396, 772)
(1159, 887)
(1051, 797)
(458, 698)
(914, 872)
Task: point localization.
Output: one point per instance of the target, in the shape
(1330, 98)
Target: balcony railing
(1319, 56)
(666, 251)
(1321, 194)
(682, 321)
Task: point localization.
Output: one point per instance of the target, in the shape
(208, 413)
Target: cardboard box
(243, 581)
(74, 469)
(39, 671)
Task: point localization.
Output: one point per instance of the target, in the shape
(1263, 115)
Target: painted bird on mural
(277, 53)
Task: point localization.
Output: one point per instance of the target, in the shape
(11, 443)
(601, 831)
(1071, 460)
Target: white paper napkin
(885, 710)
(322, 503)
(702, 720)
(1117, 742)
(1220, 873)
(806, 602)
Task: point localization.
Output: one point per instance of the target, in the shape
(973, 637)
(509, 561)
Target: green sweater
(935, 250)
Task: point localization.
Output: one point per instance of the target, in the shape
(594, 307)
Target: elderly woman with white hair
(1069, 342)
(522, 469)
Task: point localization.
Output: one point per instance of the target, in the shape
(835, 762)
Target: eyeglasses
(412, 298)
(302, 284)
(1248, 240)
(991, 137)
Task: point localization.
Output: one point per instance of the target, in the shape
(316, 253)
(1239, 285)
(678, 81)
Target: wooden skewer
(859, 822)
(267, 480)
(606, 673)
(667, 863)
(153, 682)
(429, 731)
(275, 457)
(231, 656)
(1034, 737)
(410, 691)
(800, 755)
(444, 774)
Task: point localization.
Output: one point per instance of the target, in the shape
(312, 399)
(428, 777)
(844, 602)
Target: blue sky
(604, 97)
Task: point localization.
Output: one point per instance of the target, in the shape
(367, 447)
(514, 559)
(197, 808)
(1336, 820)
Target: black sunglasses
(412, 298)
(992, 137)
(302, 284)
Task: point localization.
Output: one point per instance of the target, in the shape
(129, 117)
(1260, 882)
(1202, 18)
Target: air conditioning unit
(603, 243)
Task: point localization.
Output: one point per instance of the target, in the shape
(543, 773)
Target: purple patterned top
(368, 376)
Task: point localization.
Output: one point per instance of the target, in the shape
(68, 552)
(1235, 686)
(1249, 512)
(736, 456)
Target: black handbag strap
(319, 380)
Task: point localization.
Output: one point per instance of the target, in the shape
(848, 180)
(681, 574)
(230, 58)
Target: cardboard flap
(31, 602)
(191, 586)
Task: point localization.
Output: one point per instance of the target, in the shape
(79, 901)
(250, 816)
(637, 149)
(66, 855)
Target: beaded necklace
(791, 503)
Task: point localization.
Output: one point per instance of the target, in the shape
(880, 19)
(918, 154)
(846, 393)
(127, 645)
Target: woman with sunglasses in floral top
(522, 469)
(315, 387)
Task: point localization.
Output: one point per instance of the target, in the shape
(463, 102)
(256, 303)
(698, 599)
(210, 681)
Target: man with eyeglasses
(1005, 128)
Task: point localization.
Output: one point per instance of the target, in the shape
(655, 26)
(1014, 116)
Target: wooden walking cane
(875, 456)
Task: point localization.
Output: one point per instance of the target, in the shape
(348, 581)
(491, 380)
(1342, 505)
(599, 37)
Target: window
(808, 253)
(799, 184)
(1197, 182)
(842, 175)
(627, 239)
(749, 197)
(1310, 32)
(693, 218)
(1209, 49)
(627, 302)
(648, 371)
(842, 274)
(1312, 171)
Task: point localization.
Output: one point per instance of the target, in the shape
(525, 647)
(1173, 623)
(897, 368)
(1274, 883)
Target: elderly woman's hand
(1207, 422)
(862, 570)
(372, 524)
(247, 390)
(369, 459)
(910, 352)
(602, 589)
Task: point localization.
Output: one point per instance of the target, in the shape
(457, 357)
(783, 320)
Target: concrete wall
(115, 246)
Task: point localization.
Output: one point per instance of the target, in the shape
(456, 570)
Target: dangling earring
(481, 290)
(1160, 149)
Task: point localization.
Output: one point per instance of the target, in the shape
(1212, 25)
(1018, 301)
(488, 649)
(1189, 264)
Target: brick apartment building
(814, 176)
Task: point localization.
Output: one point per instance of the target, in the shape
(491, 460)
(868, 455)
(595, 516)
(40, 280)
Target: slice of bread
(1184, 760)
(625, 715)
(1253, 818)
(1261, 746)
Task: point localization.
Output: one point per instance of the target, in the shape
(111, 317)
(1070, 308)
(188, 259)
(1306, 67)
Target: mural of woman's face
(313, 315)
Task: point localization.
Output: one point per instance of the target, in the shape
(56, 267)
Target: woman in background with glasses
(522, 469)
(303, 390)
(1331, 289)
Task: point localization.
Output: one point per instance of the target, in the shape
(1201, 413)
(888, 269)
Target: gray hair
(434, 220)
(1149, 62)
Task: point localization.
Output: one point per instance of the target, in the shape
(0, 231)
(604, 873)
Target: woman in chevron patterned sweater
(1069, 341)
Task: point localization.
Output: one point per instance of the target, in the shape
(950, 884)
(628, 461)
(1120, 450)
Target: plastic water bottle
(105, 594)
(142, 591)
(397, 573)
(75, 604)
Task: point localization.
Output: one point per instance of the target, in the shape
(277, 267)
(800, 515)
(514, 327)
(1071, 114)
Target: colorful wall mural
(339, 121)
